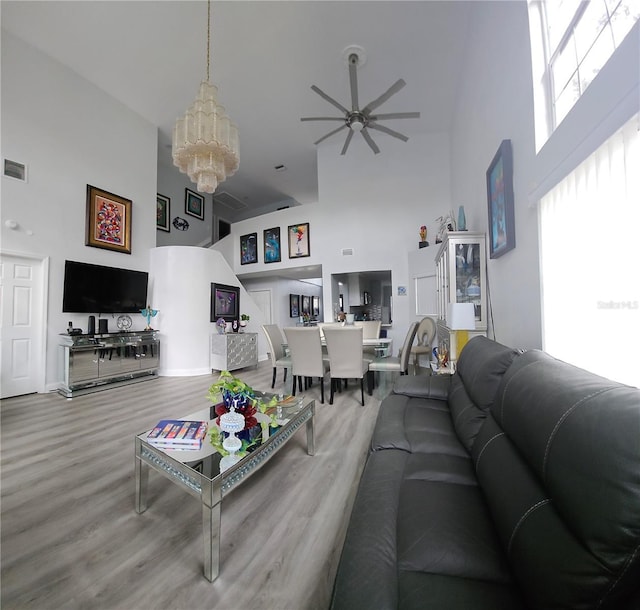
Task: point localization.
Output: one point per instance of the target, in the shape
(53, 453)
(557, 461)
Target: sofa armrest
(423, 386)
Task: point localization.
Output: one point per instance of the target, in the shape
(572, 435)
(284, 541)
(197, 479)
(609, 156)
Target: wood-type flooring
(71, 537)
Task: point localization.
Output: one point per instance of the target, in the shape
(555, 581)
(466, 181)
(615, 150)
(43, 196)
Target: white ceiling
(151, 55)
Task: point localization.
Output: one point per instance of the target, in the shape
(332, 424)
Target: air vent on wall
(230, 201)
(13, 169)
(347, 251)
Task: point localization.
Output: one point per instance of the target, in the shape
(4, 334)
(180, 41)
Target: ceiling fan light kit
(205, 140)
(359, 120)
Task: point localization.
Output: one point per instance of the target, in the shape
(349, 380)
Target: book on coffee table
(178, 434)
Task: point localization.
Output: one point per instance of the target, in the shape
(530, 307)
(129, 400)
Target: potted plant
(244, 318)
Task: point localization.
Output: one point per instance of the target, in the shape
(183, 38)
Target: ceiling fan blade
(322, 94)
(395, 115)
(353, 79)
(347, 142)
(385, 96)
(369, 140)
(322, 118)
(391, 132)
(328, 135)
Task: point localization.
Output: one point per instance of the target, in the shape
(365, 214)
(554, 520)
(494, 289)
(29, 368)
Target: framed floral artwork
(163, 213)
(193, 204)
(299, 240)
(272, 245)
(108, 223)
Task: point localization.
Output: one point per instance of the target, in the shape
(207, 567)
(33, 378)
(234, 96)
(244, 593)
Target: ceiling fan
(361, 119)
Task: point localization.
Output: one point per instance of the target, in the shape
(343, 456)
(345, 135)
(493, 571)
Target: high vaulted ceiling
(151, 55)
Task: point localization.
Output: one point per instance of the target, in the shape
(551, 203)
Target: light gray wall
(70, 134)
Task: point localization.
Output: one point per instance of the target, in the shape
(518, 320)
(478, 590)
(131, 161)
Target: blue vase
(462, 221)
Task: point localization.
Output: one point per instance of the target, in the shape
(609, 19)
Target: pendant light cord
(208, 36)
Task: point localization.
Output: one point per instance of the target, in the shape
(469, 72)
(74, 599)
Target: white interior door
(262, 299)
(22, 288)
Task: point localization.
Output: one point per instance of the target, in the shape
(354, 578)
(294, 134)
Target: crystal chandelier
(205, 141)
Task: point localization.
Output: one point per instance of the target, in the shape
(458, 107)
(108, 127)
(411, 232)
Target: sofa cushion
(559, 464)
(481, 365)
(423, 386)
(415, 425)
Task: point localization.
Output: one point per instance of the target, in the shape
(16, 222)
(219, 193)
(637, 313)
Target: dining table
(381, 345)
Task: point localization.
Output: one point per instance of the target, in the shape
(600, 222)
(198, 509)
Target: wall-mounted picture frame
(299, 240)
(248, 248)
(225, 302)
(193, 204)
(294, 305)
(306, 305)
(163, 213)
(272, 253)
(502, 232)
(108, 222)
(315, 306)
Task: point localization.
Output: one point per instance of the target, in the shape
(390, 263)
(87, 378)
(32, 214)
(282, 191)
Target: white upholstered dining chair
(276, 351)
(344, 346)
(307, 362)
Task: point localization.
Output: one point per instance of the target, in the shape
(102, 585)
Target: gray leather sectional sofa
(513, 484)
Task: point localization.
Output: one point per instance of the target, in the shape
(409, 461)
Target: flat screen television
(98, 289)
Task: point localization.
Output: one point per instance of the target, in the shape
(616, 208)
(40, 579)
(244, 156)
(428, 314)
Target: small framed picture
(306, 304)
(108, 221)
(193, 204)
(315, 306)
(294, 305)
(502, 231)
(299, 240)
(163, 213)
(248, 248)
(272, 245)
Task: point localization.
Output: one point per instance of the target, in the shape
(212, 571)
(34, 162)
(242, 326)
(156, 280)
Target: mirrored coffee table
(198, 471)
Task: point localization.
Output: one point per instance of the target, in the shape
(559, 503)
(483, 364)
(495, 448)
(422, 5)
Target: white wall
(495, 102)
(70, 134)
(180, 287)
(172, 184)
(374, 204)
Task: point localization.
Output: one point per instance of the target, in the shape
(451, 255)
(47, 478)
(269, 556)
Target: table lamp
(461, 319)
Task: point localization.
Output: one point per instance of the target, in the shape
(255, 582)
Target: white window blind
(590, 261)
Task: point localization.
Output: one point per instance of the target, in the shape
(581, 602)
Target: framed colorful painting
(225, 302)
(193, 204)
(272, 245)
(248, 248)
(294, 305)
(502, 232)
(108, 221)
(163, 213)
(299, 240)
(306, 305)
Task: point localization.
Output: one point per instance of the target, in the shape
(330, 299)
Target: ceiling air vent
(13, 169)
(230, 201)
(347, 251)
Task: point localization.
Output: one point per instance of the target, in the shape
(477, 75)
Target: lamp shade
(462, 316)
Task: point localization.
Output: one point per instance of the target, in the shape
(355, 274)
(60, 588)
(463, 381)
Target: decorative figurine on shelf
(447, 224)
(149, 313)
(423, 243)
(221, 325)
(234, 326)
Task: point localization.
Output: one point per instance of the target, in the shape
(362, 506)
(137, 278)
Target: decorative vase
(462, 220)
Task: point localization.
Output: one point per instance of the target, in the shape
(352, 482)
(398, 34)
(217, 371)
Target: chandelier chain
(208, 36)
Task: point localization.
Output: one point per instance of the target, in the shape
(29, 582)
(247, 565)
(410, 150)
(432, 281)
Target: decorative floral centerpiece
(221, 325)
(230, 394)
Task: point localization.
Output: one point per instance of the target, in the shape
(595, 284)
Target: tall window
(590, 262)
(578, 37)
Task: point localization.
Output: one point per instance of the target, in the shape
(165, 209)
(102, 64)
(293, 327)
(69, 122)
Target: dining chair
(344, 346)
(370, 330)
(276, 351)
(424, 338)
(393, 363)
(306, 355)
